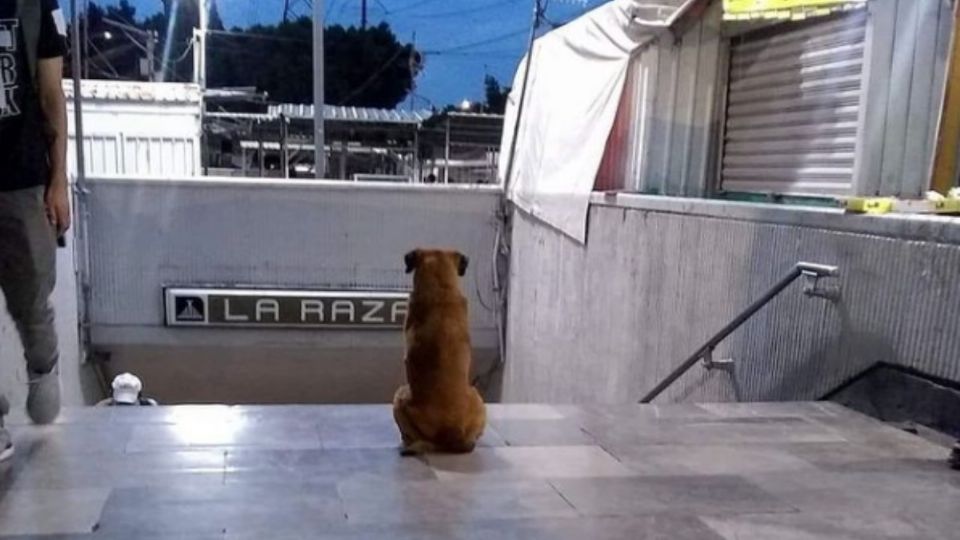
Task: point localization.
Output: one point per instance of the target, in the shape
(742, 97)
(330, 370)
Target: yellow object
(888, 205)
(947, 206)
(784, 9)
(869, 205)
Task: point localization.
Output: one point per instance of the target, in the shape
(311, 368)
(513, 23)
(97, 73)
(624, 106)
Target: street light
(465, 105)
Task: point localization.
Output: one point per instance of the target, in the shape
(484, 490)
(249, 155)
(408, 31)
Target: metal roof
(352, 114)
(466, 129)
(135, 91)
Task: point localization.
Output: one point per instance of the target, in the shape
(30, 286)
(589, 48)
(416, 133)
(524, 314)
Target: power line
(470, 45)
(252, 35)
(461, 12)
(502, 53)
(376, 75)
(415, 5)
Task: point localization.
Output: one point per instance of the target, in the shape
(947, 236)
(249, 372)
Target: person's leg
(27, 278)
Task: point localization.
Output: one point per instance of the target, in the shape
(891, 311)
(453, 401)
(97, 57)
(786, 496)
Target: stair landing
(745, 471)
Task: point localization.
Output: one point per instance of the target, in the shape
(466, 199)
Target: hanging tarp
(738, 10)
(576, 79)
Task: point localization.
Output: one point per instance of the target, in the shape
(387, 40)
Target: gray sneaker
(6, 441)
(43, 397)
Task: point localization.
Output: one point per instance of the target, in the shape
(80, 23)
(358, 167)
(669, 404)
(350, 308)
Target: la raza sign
(245, 308)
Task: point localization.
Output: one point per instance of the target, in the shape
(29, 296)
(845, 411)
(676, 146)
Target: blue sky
(464, 39)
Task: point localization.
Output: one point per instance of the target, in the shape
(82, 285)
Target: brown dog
(438, 410)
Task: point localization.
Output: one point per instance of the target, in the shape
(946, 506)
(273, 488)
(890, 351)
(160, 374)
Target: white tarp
(576, 80)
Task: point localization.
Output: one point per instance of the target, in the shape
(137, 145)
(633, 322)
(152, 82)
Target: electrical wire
(464, 46)
(415, 5)
(253, 35)
(376, 75)
(461, 12)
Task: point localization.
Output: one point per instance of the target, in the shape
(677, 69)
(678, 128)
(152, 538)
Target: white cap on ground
(126, 389)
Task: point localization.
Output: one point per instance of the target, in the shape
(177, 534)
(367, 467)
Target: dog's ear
(462, 266)
(412, 259)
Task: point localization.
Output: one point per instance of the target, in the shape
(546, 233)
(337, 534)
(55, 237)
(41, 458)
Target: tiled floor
(761, 471)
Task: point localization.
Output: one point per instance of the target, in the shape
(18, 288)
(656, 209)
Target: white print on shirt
(9, 29)
(59, 22)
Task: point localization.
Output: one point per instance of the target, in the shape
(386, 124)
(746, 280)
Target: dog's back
(439, 409)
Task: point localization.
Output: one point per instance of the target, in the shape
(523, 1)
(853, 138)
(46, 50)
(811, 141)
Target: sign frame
(178, 299)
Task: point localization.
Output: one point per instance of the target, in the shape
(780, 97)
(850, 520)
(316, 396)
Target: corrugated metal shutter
(792, 108)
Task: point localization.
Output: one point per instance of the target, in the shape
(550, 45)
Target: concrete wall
(658, 276)
(148, 234)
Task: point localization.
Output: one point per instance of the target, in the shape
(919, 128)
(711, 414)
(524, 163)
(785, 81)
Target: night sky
(463, 39)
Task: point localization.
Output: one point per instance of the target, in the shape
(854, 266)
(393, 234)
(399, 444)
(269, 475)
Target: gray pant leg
(28, 273)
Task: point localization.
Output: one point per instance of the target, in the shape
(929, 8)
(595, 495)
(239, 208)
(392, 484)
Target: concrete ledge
(939, 229)
(304, 183)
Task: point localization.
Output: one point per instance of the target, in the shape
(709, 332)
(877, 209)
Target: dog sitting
(438, 410)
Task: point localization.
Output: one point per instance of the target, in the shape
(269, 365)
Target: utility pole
(86, 39)
(200, 46)
(363, 14)
(200, 74)
(152, 56)
(320, 155)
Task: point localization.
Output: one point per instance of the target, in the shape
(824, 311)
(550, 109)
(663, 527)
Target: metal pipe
(284, 150)
(76, 67)
(320, 157)
(708, 347)
(81, 239)
(446, 155)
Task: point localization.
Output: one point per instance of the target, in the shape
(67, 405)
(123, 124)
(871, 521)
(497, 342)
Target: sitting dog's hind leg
(414, 442)
(417, 448)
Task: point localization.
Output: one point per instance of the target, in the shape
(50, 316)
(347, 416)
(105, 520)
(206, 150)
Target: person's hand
(57, 201)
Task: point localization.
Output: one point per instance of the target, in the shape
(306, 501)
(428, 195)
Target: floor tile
(674, 460)
(529, 462)
(50, 511)
(332, 466)
(895, 493)
(254, 509)
(718, 431)
(234, 433)
(645, 527)
(811, 470)
(453, 501)
(82, 470)
(700, 495)
(803, 526)
(522, 411)
(541, 432)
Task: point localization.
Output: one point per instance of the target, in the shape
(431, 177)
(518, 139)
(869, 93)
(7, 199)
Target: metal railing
(811, 271)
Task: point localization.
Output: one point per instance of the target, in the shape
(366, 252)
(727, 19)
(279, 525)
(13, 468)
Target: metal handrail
(812, 270)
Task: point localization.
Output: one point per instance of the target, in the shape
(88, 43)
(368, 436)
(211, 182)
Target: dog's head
(435, 261)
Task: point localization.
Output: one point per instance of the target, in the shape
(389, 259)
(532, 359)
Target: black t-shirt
(24, 159)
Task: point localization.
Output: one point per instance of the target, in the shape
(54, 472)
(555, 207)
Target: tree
(364, 67)
(367, 67)
(184, 16)
(112, 54)
(496, 97)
